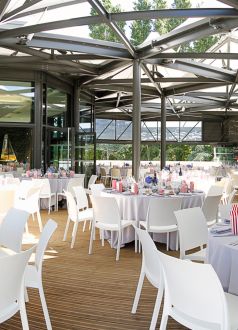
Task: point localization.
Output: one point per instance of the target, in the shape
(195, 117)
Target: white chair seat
(124, 224)
(31, 276)
(232, 302)
(159, 229)
(198, 256)
(85, 214)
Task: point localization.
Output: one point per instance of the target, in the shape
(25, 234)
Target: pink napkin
(114, 184)
(119, 186)
(234, 219)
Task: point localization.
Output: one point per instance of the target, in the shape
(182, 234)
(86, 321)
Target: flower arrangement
(150, 179)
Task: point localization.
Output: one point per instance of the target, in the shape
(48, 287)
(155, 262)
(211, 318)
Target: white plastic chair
(73, 182)
(7, 197)
(195, 298)
(12, 229)
(97, 188)
(76, 216)
(210, 209)
(45, 192)
(82, 204)
(92, 180)
(80, 176)
(150, 268)
(160, 217)
(215, 190)
(106, 216)
(104, 176)
(193, 232)
(30, 203)
(33, 274)
(11, 286)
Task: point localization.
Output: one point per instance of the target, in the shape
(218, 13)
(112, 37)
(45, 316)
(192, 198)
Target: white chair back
(44, 184)
(150, 257)
(71, 206)
(231, 196)
(7, 197)
(193, 294)
(12, 229)
(45, 236)
(161, 211)
(80, 176)
(81, 197)
(215, 190)
(106, 210)
(210, 207)
(92, 180)
(192, 228)
(23, 188)
(11, 278)
(224, 211)
(97, 188)
(74, 182)
(15, 181)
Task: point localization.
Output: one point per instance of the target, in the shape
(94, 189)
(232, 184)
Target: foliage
(201, 153)
(178, 152)
(103, 31)
(140, 29)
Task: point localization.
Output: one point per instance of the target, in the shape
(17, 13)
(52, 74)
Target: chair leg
(26, 228)
(164, 321)
(138, 291)
(118, 245)
(49, 205)
(74, 234)
(167, 244)
(84, 225)
(177, 240)
(26, 295)
(22, 307)
(102, 235)
(39, 220)
(156, 309)
(66, 229)
(91, 240)
(44, 307)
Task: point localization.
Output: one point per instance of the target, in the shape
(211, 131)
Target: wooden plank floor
(88, 291)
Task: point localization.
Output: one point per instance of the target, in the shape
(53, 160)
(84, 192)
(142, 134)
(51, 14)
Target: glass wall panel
(57, 105)
(13, 147)
(58, 151)
(85, 154)
(85, 117)
(16, 101)
(105, 129)
(149, 130)
(123, 130)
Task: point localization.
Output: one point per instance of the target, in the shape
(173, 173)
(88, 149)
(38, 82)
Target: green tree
(201, 153)
(160, 24)
(178, 152)
(140, 29)
(173, 22)
(103, 31)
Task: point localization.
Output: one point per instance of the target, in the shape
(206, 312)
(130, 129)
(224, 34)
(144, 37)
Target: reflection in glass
(16, 101)
(56, 107)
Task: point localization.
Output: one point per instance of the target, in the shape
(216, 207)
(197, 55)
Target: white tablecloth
(134, 207)
(224, 259)
(57, 185)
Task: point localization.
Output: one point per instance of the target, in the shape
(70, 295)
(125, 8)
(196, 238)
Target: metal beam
(202, 69)
(105, 15)
(177, 13)
(188, 88)
(136, 120)
(3, 7)
(17, 13)
(193, 31)
(163, 133)
(209, 55)
(232, 3)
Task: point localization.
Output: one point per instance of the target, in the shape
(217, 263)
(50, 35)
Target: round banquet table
(134, 207)
(224, 259)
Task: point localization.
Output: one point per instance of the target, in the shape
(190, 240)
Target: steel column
(136, 119)
(163, 133)
(37, 146)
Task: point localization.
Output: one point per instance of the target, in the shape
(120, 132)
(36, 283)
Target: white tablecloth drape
(134, 207)
(56, 186)
(224, 259)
